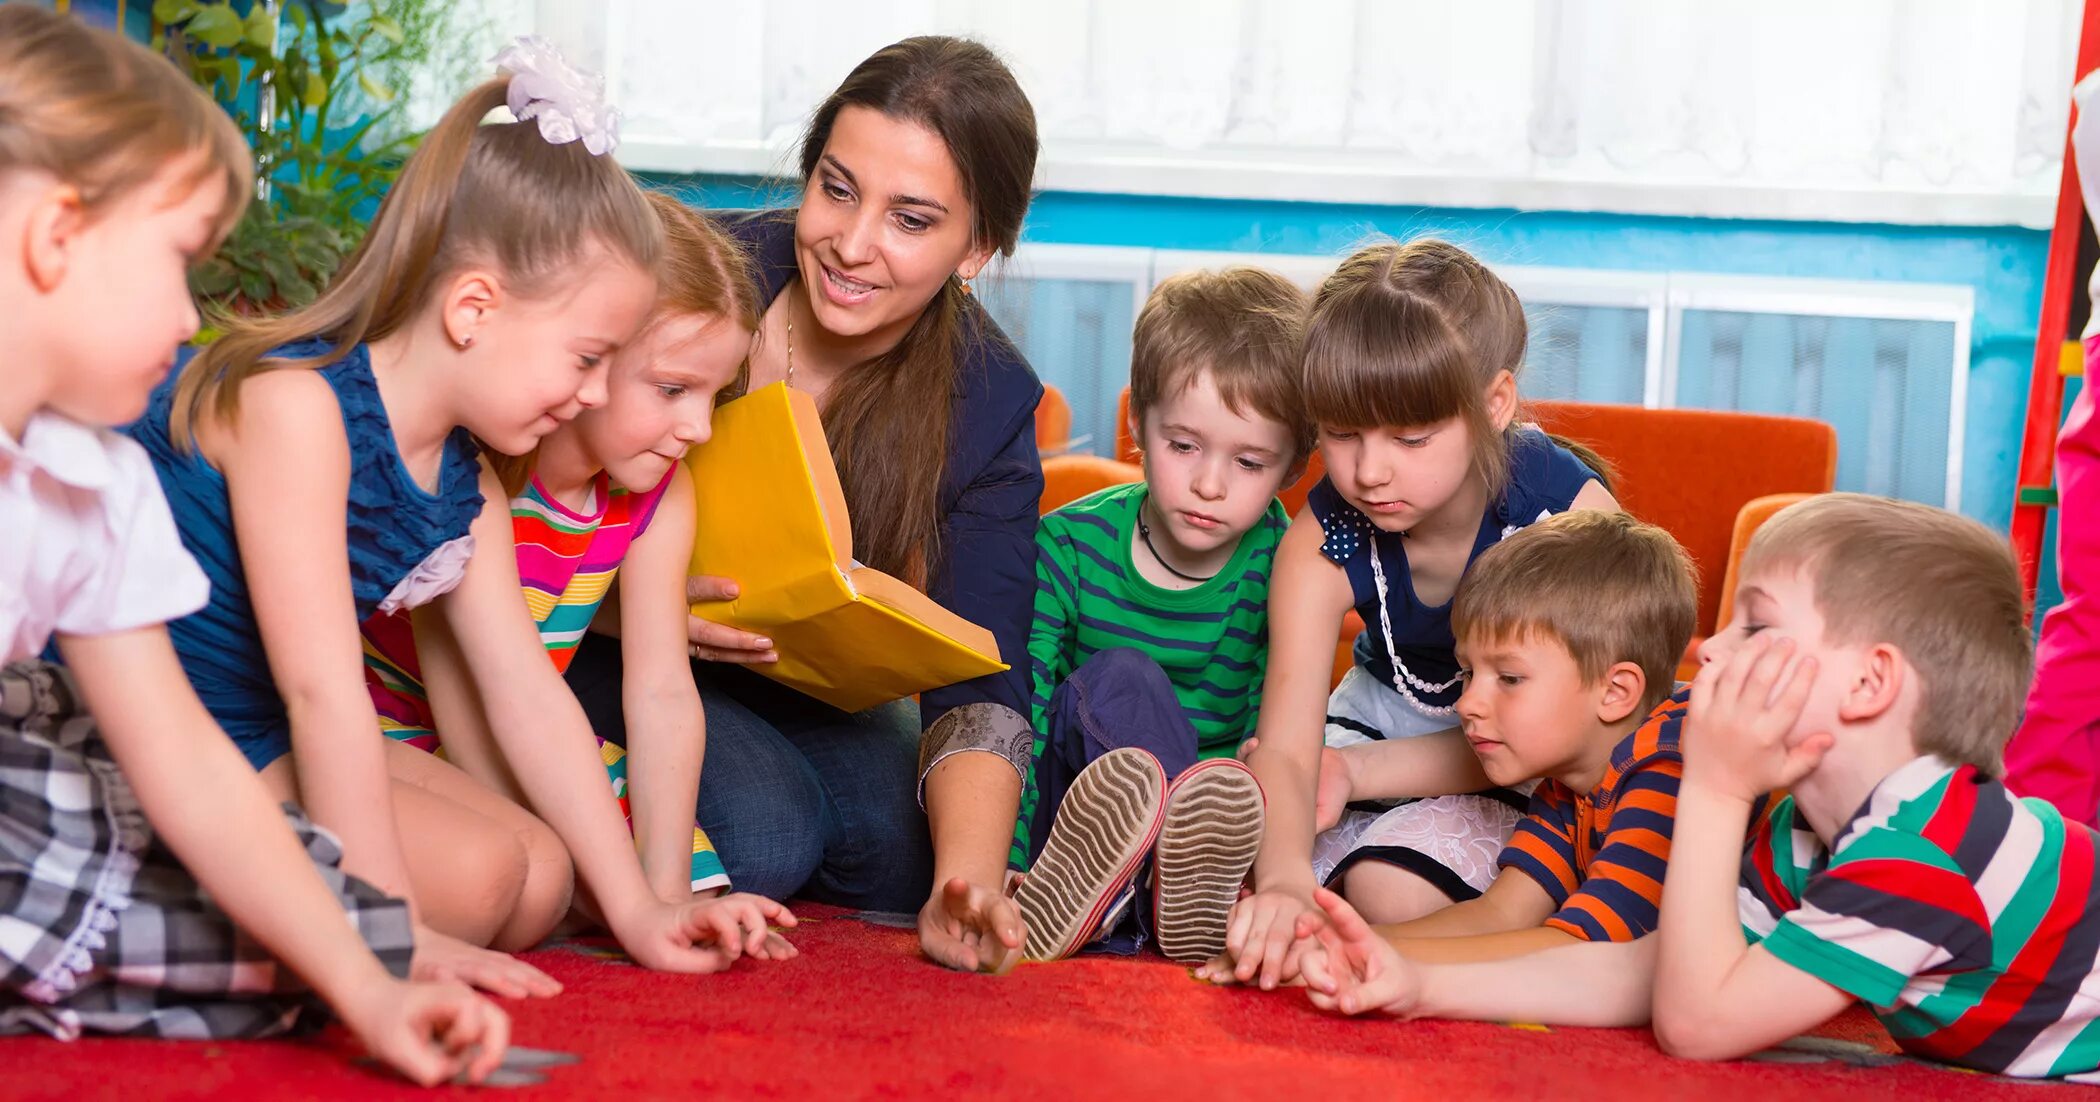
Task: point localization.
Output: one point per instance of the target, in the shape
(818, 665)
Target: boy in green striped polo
(1151, 631)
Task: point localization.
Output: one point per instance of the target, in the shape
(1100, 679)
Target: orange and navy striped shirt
(1601, 855)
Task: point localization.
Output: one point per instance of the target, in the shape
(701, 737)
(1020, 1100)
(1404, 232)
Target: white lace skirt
(1451, 841)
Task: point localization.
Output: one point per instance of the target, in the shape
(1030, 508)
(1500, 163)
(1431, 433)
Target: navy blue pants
(801, 799)
(1119, 697)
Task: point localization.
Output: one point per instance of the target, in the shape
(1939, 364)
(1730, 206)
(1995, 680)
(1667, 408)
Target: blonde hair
(496, 194)
(1604, 585)
(705, 273)
(1245, 326)
(1410, 335)
(1941, 588)
(107, 116)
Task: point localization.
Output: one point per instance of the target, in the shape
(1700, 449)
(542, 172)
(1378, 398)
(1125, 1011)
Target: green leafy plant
(316, 89)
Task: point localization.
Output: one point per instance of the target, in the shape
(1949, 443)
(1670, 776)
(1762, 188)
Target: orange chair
(1692, 472)
(1748, 520)
(1067, 478)
(1053, 422)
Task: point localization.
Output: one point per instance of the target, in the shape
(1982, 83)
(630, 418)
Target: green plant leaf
(262, 28)
(173, 11)
(374, 89)
(297, 291)
(216, 26)
(256, 288)
(212, 279)
(280, 269)
(388, 29)
(297, 11)
(315, 93)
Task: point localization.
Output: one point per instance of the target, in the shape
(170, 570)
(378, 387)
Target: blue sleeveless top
(395, 529)
(1543, 480)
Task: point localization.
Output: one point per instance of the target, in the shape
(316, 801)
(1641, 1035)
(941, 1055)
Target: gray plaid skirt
(101, 928)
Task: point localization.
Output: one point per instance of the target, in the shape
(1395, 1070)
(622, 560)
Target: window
(1886, 363)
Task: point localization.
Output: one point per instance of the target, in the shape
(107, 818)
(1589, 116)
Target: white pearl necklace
(1402, 676)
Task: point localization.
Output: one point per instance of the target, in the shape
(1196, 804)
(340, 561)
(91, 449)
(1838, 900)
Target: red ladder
(2056, 351)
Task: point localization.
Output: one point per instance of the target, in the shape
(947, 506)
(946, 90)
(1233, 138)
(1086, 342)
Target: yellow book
(770, 514)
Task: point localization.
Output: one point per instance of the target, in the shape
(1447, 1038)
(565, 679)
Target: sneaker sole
(1209, 835)
(1104, 828)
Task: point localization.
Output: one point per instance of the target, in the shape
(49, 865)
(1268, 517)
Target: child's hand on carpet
(1260, 938)
(1220, 969)
(440, 957)
(429, 1032)
(701, 936)
(972, 928)
(742, 919)
(1350, 969)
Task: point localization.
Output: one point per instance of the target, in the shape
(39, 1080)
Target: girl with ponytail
(324, 467)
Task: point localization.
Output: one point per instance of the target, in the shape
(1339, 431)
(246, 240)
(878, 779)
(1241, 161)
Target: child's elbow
(1696, 1035)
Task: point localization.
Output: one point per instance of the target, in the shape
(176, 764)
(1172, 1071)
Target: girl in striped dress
(606, 490)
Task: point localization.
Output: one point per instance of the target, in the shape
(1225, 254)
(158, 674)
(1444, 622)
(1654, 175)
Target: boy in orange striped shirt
(1569, 633)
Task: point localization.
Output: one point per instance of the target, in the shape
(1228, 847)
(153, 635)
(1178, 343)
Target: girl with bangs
(1412, 353)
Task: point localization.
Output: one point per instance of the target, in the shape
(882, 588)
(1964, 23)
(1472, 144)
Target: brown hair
(1410, 335)
(106, 115)
(888, 419)
(498, 194)
(1941, 588)
(703, 272)
(1243, 325)
(1604, 585)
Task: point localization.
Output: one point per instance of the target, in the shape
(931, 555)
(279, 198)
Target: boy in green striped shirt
(1151, 631)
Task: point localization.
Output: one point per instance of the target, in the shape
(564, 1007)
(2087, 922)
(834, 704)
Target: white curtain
(1904, 110)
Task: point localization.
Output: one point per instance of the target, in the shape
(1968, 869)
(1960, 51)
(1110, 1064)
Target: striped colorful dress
(1967, 918)
(567, 562)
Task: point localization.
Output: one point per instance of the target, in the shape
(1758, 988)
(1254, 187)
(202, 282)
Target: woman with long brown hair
(915, 171)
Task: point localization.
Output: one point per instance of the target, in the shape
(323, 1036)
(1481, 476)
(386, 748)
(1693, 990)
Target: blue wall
(2004, 266)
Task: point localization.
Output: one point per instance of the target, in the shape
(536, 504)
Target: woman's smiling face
(883, 223)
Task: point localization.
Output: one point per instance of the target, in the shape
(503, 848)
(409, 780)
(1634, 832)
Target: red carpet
(859, 1015)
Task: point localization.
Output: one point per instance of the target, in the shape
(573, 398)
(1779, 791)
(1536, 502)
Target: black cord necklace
(1145, 534)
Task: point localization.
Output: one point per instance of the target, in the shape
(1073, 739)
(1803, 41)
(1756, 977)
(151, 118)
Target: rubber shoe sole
(1209, 834)
(1103, 830)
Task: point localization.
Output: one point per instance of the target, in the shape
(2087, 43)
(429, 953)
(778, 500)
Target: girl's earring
(466, 342)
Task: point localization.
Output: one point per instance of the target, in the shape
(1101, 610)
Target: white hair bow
(568, 102)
